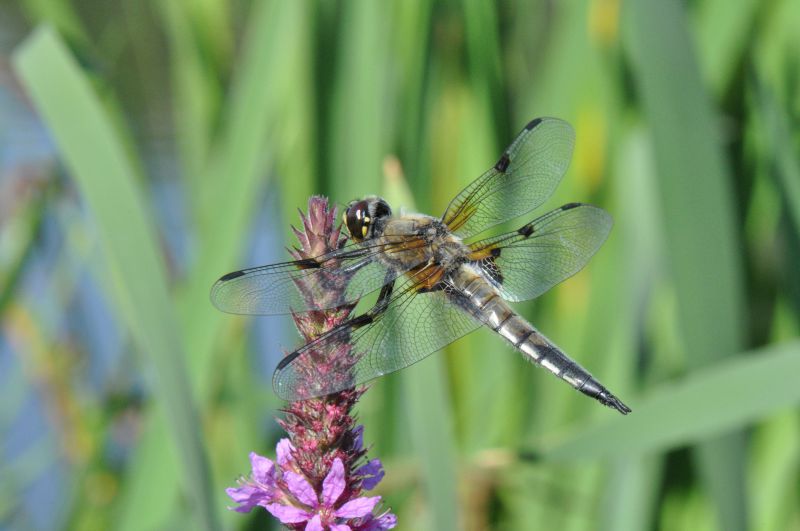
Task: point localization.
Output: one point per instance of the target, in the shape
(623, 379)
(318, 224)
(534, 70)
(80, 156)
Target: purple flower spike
(284, 452)
(319, 474)
(298, 504)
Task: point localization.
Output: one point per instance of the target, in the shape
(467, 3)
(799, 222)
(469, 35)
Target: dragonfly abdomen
(485, 303)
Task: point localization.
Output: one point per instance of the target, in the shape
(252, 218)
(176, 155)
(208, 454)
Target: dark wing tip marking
(308, 263)
(570, 206)
(533, 123)
(286, 360)
(502, 164)
(231, 276)
(361, 320)
(526, 230)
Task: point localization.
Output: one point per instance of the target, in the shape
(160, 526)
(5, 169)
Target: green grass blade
(729, 395)
(228, 191)
(632, 493)
(719, 29)
(776, 466)
(778, 145)
(196, 93)
(96, 159)
(429, 415)
(430, 419)
(360, 117)
(697, 202)
(61, 15)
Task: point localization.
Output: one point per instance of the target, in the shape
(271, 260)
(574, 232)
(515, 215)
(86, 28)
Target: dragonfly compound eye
(357, 220)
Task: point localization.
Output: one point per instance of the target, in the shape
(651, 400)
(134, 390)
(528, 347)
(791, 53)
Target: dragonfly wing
(418, 317)
(529, 261)
(524, 177)
(334, 279)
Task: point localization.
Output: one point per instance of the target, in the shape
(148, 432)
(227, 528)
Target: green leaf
(719, 29)
(778, 147)
(95, 157)
(699, 223)
(729, 395)
(430, 414)
(228, 192)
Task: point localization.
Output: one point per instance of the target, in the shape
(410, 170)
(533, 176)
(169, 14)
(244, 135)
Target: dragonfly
(437, 278)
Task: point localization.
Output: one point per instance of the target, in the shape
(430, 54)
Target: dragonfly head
(365, 218)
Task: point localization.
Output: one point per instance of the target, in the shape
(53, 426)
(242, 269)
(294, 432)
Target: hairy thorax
(440, 248)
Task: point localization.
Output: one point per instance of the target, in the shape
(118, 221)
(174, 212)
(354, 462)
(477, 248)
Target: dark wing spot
(502, 164)
(569, 206)
(533, 123)
(361, 320)
(526, 230)
(307, 263)
(231, 276)
(489, 267)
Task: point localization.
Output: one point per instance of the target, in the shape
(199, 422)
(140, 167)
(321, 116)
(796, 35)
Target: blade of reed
(228, 191)
(719, 30)
(61, 15)
(358, 119)
(196, 95)
(695, 186)
(631, 489)
(726, 396)
(632, 493)
(103, 171)
(778, 143)
(774, 471)
(775, 458)
(429, 415)
(361, 116)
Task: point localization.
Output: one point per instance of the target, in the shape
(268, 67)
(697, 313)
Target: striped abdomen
(482, 300)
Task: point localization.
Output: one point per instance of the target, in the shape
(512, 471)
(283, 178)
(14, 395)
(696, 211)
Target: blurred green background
(148, 147)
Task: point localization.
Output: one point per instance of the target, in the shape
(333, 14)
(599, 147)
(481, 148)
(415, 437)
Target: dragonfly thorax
(449, 251)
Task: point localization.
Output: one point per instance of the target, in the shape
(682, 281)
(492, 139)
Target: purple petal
(341, 527)
(359, 437)
(263, 469)
(333, 485)
(247, 496)
(287, 514)
(371, 473)
(357, 508)
(315, 524)
(386, 521)
(301, 488)
(284, 451)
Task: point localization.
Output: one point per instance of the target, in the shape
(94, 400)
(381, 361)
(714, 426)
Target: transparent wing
(522, 179)
(529, 261)
(403, 329)
(328, 281)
